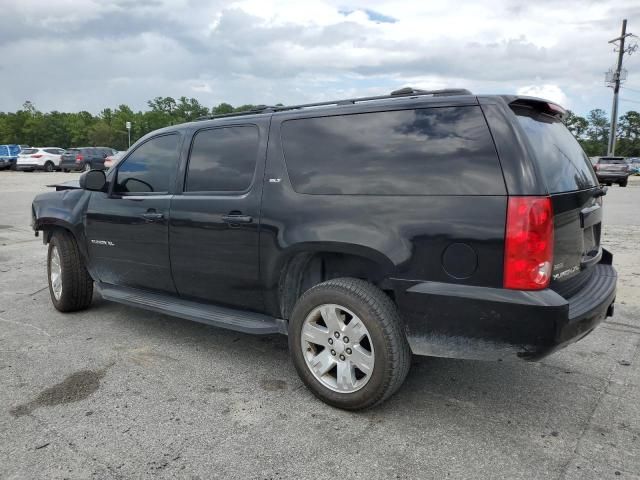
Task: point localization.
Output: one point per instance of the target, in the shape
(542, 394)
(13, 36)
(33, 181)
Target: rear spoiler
(541, 105)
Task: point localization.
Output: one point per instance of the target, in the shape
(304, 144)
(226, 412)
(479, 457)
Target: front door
(127, 228)
(214, 225)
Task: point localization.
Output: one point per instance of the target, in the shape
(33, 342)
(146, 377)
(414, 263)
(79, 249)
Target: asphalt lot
(116, 392)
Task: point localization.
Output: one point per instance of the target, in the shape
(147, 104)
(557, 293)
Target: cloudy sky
(71, 55)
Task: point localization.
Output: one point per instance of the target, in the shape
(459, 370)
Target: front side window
(222, 159)
(150, 167)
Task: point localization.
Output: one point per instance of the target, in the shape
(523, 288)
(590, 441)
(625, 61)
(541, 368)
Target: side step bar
(229, 318)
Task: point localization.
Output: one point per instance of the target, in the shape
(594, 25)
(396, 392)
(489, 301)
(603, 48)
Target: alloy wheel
(55, 273)
(337, 348)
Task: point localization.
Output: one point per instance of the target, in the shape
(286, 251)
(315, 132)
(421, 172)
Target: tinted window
(28, 151)
(223, 159)
(433, 151)
(564, 165)
(612, 161)
(150, 167)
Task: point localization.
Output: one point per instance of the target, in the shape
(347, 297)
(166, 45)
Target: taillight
(596, 167)
(528, 255)
(79, 158)
(39, 155)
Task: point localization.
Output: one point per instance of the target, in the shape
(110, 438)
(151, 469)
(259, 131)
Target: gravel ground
(116, 392)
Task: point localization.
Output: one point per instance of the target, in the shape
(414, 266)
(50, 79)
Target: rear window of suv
(429, 151)
(28, 151)
(563, 164)
(612, 161)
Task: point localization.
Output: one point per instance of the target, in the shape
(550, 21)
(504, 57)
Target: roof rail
(257, 109)
(403, 92)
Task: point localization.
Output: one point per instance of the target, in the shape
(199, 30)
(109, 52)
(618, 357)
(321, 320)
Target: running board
(229, 318)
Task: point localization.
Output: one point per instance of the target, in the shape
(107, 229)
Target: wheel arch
(305, 265)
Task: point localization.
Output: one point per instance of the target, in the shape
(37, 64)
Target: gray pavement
(116, 392)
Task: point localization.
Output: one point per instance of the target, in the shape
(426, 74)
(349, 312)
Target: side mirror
(94, 180)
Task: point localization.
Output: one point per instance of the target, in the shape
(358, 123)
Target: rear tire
(48, 167)
(624, 182)
(328, 362)
(70, 285)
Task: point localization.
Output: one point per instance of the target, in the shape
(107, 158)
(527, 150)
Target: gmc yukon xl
(367, 230)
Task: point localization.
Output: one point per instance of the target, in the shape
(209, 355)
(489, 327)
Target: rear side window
(222, 159)
(52, 151)
(150, 167)
(563, 164)
(432, 151)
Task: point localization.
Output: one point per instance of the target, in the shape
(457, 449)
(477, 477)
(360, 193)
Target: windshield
(563, 164)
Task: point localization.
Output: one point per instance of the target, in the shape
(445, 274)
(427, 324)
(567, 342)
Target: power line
(628, 100)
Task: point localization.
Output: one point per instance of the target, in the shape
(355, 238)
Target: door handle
(152, 216)
(234, 218)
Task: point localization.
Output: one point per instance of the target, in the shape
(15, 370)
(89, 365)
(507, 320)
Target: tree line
(593, 132)
(29, 126)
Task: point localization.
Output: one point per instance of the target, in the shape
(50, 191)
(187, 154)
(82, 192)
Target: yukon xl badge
(106, 243)
(567, 272)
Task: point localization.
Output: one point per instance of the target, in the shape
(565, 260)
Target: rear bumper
(612, 176)
(71, 165)
(462, 321)
(28, 166)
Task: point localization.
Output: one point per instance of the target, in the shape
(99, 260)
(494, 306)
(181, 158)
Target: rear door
(215, 222)
(575, 195)
(612, 164)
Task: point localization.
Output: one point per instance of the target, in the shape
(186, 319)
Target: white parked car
(45, 158)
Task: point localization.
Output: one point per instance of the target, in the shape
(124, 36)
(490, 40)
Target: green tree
(576, 124)
(222, 109)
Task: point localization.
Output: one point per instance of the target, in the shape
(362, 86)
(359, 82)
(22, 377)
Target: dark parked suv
(85, 158)
(434, 223)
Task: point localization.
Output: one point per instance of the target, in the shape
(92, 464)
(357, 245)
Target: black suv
(85, 158)
(435, 223)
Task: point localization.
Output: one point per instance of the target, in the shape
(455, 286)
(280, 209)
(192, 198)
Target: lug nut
(345, 339)
(337, 334)
(330, 341)
(333, 352)
(342, 357)
(348, 351)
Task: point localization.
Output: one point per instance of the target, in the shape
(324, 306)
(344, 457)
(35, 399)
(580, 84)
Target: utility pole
(616, 77)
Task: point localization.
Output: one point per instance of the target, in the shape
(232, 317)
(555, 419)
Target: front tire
(70, 285)
(624, 182)
(348, 344)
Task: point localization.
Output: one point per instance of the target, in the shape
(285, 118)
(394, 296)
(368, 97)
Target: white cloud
(546, 91)
(99, 54)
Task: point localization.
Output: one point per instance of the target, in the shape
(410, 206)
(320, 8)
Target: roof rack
(403, 92)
